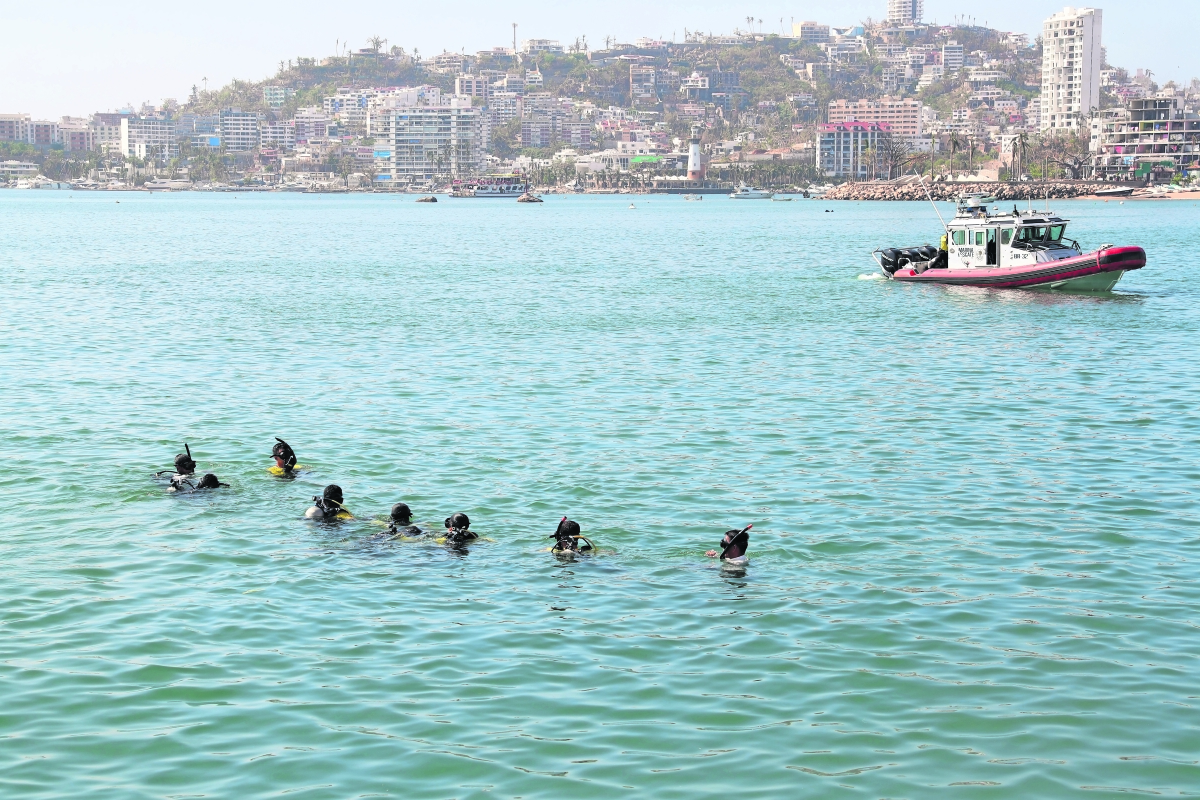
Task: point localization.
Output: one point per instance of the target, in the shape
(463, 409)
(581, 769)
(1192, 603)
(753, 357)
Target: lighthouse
(695, 164)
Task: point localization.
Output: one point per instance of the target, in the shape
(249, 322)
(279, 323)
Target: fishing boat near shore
(1026, 250)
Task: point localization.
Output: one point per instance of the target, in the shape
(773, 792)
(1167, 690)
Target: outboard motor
(928, 252)
(889, 260)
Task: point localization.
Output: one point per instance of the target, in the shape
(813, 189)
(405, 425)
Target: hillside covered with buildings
(824, 103)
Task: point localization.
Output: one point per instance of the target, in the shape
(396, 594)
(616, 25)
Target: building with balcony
(311, 124)
(76, 135)
(43, 132)
(1071, 62)
(905, 12)
(902, 116)
(851, 149)
(276, 96)
(280, 135)
(471, 86)
(11, 170)
(952, 56)
(14, 127)
(148, 138)
(421, 143)
(810, 32)
(241, 131)
(505, 106)
(643, 83)
(1150, 136)
(532, 46)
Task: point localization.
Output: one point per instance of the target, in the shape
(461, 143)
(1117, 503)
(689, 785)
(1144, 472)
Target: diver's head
(333, 492)
(184, 464)
(459, 521)
(568, 529)
(735, 543)
(209, 481)
(401, 514)
(285, 457)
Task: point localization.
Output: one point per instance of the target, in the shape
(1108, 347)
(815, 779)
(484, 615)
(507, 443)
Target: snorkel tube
(184, 463)
(735, 543)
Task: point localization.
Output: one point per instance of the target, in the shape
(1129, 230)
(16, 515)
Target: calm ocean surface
(974, 563)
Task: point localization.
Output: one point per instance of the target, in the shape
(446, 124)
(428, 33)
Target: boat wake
(871, 276)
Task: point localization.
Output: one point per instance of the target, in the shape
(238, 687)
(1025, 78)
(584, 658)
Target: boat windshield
(1031, 235)
(1038, 234)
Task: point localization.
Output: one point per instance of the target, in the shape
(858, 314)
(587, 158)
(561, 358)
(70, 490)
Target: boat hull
(1091, 272)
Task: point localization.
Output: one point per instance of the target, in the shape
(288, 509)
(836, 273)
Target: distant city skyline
(83, 58)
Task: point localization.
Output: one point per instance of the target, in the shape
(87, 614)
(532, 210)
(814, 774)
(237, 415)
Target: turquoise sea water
(975, 544)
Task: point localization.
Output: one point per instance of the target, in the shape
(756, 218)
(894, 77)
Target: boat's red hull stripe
(1110, 260)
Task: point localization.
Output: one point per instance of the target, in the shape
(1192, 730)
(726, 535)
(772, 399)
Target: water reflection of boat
(1010, 250)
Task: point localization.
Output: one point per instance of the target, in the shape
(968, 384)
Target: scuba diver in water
(184, 464)
(329, 505)
(400, 522)
(457, 529)
(734, 545)
(567, 538)
(209, 481)
(284, 455)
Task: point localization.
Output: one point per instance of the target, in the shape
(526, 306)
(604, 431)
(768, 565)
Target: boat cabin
(977, 238)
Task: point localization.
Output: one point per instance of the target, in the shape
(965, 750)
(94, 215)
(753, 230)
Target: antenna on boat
(921, 178)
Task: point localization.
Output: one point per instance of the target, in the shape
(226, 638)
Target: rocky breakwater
(913, 190)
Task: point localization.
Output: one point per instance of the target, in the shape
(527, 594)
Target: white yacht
(744, 192)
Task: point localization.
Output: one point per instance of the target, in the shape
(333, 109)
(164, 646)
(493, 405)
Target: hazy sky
(74, 58)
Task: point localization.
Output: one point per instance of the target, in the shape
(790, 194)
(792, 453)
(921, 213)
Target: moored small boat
(1017, 250)
(744, 192)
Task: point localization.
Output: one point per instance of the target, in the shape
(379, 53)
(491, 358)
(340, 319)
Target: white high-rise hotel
(905, 12)
(1071, 62)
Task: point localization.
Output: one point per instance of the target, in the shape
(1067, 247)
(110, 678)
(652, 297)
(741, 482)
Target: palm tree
(376, 42)
(1020, 147)
(955, 145)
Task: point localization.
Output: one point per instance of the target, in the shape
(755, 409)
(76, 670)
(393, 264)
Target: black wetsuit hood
(283, 451)
(457, 526)
(567, 536)
(330, 501)
(184, 464)
(209, 481)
